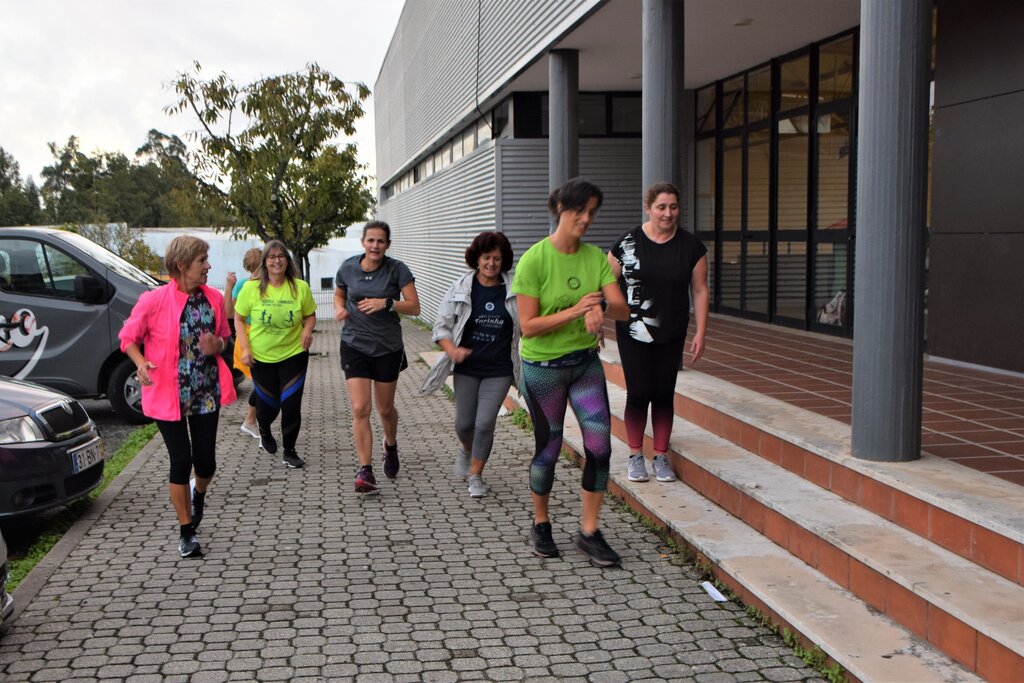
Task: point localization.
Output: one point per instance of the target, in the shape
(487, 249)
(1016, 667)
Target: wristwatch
(389, 305)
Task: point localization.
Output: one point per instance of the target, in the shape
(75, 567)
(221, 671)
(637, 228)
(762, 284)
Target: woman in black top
(658, 264)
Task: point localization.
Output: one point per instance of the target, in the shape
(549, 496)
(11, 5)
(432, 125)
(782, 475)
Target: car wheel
(124, 391)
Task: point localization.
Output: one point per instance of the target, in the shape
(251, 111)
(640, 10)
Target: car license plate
(86, 456)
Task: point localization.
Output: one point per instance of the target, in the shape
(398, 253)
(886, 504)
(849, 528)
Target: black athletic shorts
(384, 368)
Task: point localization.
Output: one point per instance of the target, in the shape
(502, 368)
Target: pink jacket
(155, 325)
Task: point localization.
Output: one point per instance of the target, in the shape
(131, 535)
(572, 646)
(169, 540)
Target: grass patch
(521, 419)
(20, 565)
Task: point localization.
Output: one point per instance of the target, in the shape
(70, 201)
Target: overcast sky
(98, 69)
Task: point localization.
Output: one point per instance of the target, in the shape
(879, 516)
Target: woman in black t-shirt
(478, 329)
(658, 264)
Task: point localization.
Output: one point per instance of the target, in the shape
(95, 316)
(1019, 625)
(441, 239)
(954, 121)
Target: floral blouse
(197, 373)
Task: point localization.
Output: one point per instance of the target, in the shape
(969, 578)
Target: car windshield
(110, 259)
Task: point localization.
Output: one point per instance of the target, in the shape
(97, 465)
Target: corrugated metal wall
(427, 83)
(614, 165)
(433, 222)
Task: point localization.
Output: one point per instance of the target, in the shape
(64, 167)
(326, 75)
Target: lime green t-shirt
(275, 331)
(558, 281)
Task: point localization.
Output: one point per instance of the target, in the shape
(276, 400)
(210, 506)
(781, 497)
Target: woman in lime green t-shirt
(564, 289)
(275, 345)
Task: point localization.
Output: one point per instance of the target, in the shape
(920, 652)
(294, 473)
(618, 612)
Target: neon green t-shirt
(275, 332)
(558, 281)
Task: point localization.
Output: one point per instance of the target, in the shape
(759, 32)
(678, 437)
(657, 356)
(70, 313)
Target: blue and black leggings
(578, 379)
(278, 387)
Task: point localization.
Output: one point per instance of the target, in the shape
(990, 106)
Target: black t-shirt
(489, 333)
(656, 283)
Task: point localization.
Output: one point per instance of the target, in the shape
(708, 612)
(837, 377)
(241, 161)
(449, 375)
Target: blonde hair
(181, 252)
(252, 258)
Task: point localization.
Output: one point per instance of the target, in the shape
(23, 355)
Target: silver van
(63, 299)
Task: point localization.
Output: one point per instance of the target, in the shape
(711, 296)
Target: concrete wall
(974, 285)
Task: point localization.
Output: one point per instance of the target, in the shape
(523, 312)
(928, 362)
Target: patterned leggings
(279, 387)
(546, 389)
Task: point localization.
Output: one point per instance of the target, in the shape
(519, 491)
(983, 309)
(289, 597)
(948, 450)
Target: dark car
(6, 601)
(50, 450)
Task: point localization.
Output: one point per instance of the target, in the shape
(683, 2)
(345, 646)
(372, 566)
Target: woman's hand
(696, 347)
(307, 338)
(459, 353)
(142, 370)
(368, 306)
(232, 280)
(246, 357)
(340, 314)
(594, 320)
(210, 344)
(586, 303)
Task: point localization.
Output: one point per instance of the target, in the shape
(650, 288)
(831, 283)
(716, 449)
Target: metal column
(895, 52)
(662, 92)
(563, 116)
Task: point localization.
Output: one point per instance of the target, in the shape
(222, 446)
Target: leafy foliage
(120, 239)
(19, 201)
(281, 174)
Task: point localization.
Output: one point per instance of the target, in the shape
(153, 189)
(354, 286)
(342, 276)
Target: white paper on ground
(713, 592)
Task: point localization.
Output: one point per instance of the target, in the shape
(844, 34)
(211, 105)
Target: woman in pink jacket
(175, 336)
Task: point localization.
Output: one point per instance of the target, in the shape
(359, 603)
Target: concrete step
(969, 513)
(869, 645)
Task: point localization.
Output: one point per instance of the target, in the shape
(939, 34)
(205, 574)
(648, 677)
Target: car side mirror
(89, 289)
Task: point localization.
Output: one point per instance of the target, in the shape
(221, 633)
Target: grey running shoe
(596, 548)
(292, 459)
(543, 544)
(461, 466)
(637, 468)
(188, 546)
(251, 429)
(477, 487)
(662, 469)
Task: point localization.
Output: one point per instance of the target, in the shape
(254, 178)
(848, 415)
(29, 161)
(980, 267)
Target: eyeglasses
(277, 257)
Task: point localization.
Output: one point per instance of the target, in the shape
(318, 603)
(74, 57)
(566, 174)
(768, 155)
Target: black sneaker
(198, 504)
(543, 544)
(595, 547)
(390, 459)
(268, 442)
(188, 546)
(292, 459)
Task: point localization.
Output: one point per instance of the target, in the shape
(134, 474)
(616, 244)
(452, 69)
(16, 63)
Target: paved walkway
(305, 581)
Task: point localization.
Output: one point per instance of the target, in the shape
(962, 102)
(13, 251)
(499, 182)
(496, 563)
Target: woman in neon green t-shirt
(276, 345)
(564, 289)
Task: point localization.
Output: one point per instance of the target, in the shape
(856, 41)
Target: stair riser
(984, 547)
(960, 641)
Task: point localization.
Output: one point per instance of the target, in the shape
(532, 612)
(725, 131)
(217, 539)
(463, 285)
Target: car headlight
(19, 430)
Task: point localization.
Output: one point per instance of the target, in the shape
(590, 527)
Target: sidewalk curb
(41, 573)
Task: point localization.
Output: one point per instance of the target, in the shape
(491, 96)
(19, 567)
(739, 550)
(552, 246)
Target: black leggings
(186, 454)
(279, 389)
(650, 371)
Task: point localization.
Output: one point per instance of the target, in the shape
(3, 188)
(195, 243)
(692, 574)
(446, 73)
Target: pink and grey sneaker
(365, 481)
(390, 459)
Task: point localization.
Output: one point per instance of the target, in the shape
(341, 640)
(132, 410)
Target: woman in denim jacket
(478, 329)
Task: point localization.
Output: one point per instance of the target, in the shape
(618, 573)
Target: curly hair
(489, 241)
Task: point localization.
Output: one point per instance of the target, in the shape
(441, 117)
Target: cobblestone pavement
(303, 580)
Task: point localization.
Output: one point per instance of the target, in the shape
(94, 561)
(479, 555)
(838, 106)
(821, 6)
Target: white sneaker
(662, 470)
(250, 429)
(477, 487)
(637, 468)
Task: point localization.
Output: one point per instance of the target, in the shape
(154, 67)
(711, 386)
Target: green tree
(19, 202)
(282, 175)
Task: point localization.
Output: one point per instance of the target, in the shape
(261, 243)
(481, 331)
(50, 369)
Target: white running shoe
(637, 468)
(250, 429)
(662, 469)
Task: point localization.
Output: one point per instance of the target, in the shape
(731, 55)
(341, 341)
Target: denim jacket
(452, 317)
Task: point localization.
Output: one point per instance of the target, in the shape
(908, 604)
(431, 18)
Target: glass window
(791, 260)
(833, 171)
(732, 178)
(110, 259)
(706, 109)
(791, 279)
(758, 171)
(705, 185)
(37, 269)
(456, 146)
(830, 303)
(501, 121)
(732, 102)
(627, 114)
(759, 95)
(731, 277)
(469, 140)
(593, 115)
(483, 131)
(835, 70)
(794, 77)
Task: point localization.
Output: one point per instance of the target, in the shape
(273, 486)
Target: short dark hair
(489, 241)
(378, 225)
(573, 196)
(659, 188)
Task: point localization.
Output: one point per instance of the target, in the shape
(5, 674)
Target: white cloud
(100, 69)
